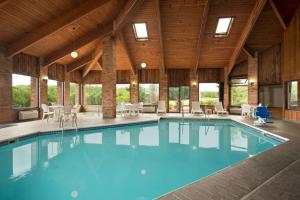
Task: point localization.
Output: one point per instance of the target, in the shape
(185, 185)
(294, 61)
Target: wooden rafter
(258, 7)
(201, 33)
(126, 14)
(98, 33)
(79, 63)
(125, 47)
(3, 2)
(162, 54)
(98, 65)
(248, 51)
(96, 56)
(282, 23)
(53, 26)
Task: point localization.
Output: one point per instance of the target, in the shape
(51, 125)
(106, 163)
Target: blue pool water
(130, 162)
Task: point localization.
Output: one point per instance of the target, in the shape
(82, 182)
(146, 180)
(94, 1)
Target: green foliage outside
(73, 93)
(93, 95)
(209, 98)
(21, 96)
(149, 93)
(294, 93)
(52, 91)
(174, 98)
(123, 94)
(239, 95)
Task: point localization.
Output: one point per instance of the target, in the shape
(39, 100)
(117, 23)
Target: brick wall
(59, 93)
(67, 87)
(6, 110)
(253, 77)
(194, 87)
(34, 93)
(109, 78)
(134, 88)
(163, 86)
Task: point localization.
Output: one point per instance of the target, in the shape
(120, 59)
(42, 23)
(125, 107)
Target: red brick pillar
(194, 87)
(67, 87)
(163, 87)
(252, 80)
(226, 89)
(134, 88)
(34, 93)
(109, 78)
(6, 99)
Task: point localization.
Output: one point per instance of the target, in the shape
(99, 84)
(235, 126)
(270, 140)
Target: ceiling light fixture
(74, 54)
(143, 65)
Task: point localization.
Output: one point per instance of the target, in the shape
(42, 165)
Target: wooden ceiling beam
(248, 51)
(98, 65)
(201, 32)
(257, 9)
(98, 33)
(129, 9)
(3, 2)
(125, 47)
(158, 17)
(274, 8)
(53, 26)
(96, 56)
(77, 64)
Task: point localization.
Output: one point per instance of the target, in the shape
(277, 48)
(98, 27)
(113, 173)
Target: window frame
(225, 34)
(237, 85)
(156, 84)
(140, 39)
(287, 95)
(199, 92)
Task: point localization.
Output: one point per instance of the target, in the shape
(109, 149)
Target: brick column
(34, 93)
(109, 78)
(252, 80)
(6, 99)
(194, 87)
(67, 87)
(43, 85)
(163, 87)
(226, 89)
(59, 93)
(134, 88)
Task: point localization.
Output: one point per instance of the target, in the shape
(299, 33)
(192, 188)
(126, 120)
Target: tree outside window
(209, 93)
(149, 93)
(93, 94)
(21, 91)
(239, 92)
(123, 93)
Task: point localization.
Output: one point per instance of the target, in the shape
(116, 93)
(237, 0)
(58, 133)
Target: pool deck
(274, 174)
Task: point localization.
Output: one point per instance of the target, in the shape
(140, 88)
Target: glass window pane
(52, 92)
(149, 93)
(292, 100)
(123, 93)
(74, 93)
(209, 93)
(140, 30)
(93, 94)
(22, 91)
(239, 95)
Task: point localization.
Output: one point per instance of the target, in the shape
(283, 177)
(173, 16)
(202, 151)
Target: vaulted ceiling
(181, 32)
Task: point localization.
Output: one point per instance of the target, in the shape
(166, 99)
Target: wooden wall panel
(25, 64)
(240, 70)
(269, 66)
(93, 77)
(75, 77)
(179, 77)
(148, 76)
(215, 75)
(123, 76)
(56, 72)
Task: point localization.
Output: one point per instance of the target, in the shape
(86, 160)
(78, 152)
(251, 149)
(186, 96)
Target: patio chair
(161, 108)
(123, 110)
(46, 112)
(262, 115)
(135, 108)
(246, 110)
(67, 113)
(196, 109)
(141, 107)
(219, 110)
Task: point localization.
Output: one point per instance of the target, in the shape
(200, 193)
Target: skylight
(140, 31)
(223, 27)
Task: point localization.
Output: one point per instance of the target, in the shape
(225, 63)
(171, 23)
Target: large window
(292, 95)
(93, 94)
(22, 91)
(271, 96)
(149, 93)
(52, 92)
(74, 93)
(209, 93)
(140, 31)
(123, 93)
(223, 27)
(239, 92)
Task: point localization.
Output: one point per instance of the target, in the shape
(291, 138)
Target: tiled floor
(274, 174)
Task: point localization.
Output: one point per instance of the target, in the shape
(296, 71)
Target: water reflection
(122, 137)
(149, 136)
(209, 137)
(93, 138)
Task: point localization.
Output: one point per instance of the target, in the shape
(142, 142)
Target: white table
(58, 110)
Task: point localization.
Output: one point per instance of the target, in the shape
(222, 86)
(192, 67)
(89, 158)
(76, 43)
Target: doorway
(177, 93)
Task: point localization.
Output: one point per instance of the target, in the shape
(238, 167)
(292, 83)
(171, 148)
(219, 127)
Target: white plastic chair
(246, 110)
(196, 109)
(219, 110)
(46, 112)
(161, 108)
(141, 107)
(67, 113)
(124, 111)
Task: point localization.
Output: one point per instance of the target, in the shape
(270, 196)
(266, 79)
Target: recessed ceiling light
(143, 65)
(74, 54)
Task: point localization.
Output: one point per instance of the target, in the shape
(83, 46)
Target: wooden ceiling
(181, 32)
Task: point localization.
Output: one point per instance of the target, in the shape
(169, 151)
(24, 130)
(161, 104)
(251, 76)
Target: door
(175, 95)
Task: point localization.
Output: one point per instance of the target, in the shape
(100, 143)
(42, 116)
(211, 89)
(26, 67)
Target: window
(209, 93)
(93, 94)
(149, 93)
(140, 31)
(22, 91)
(223, 27)
(271, 96)
(123, 93)
(74, 93)
(292, 95)
(52, 92)
(239, 92)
